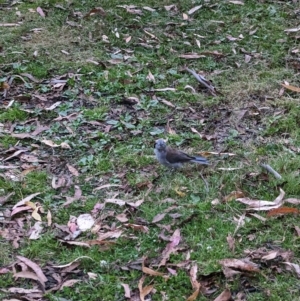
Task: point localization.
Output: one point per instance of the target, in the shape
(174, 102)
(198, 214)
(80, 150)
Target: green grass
(110, 115)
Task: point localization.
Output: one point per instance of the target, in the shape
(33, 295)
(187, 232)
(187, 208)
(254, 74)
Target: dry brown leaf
(73, 170)
(292, 88)
(158, 217)
(152, 272)
(172, 272)
(224, 296)
(149, 8)
(237, 2)
(170, 7)
(65, 145)
(28, 170)
(110, 234)
(151, 35)
(21, 135)
(31, 204)
(76, 197)
(55, 105)
(127, 290)
(233, 266)
(30, 158)
(169, 130)
(27, 275)
(136, 204)
(193, 277)
(150, 77)
(194, 9)
(4, 86)
(229, 168)
(122, 218)
(36, 230)
(170, 248)
(97, 10)
(293, 268)
(72, 262)
(240, 222)
(36, 215)
(136, 227)
(15, 154)
(191, 56)
(144, 291)
(283, 210)
(168, 103)
(196, 132)
(164, 89)
(4, 199)
(292, 201)
(115, 201)
(260, 205)
(115, 61)
(8, 166)
(233, 195)
(185, 16)
(40, 12)
(38, 271)
(128, 39)
(270, 256)
(100, 242)
(65, 52)
(20, 209)
(49, 218)
(61, 182)
(194, 295)
(92, 276)
(27, 199)
(76, 243)
(9, 24)
(231, 38)
(106, 186)
(180, 193)
(195, 284)
(292, 29)
(247, 58)
(69, 283)
(297, 230)
(20, 290)
(231, 242)
(52, 144)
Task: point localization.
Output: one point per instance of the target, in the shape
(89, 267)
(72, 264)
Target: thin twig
(203, 81)
(271, 170)
(205, 182)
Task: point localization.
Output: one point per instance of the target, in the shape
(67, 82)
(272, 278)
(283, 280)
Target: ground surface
(85, 92)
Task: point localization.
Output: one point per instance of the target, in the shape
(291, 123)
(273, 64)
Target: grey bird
(174, 158)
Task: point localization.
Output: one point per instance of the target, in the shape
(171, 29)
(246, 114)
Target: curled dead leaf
(127, 290)
(233, 195)
(97, 10)
(233, 266)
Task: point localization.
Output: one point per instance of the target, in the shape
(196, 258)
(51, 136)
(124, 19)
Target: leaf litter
(119, 210)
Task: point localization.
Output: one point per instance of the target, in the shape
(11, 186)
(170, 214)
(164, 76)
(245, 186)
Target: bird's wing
(175, 156)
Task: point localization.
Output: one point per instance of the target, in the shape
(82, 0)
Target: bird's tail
(200, 160)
